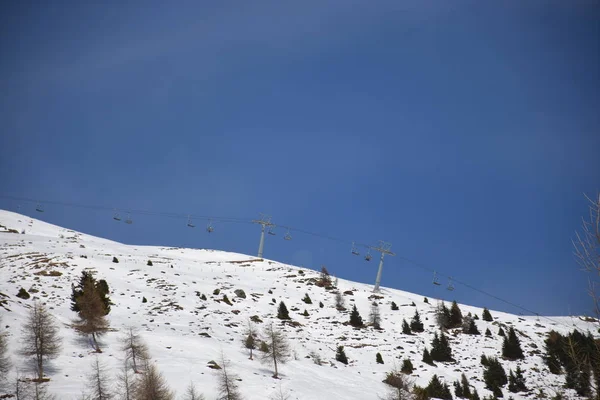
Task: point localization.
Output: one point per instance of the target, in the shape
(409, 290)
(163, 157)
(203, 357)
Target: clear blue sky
(464, 132)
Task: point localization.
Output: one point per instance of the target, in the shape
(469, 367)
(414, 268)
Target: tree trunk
(275, 362)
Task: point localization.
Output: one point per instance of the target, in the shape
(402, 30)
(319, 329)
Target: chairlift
(209, 227)
(39, 208)
(435, 279)
(116, 216)
(450, 285)
(368, 256)
(354, 251)
(189, 222)
(287, 235)
(128, 220)
(270, 232)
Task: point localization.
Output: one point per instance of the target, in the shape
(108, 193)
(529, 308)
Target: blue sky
(465, 133)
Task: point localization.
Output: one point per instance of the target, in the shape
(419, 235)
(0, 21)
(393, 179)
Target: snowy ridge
(184, 332)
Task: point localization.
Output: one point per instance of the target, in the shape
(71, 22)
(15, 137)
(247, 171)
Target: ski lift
(287, 235)
(450, 284)
(353, 250)
(128, 220)
(39, 208)
(368, 256)
(209, 227)
(435, 279)
(270, 232)
(189, 222)
(116, 216)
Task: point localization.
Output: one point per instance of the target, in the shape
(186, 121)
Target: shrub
(115, 260)
(240, 293)
(216, 292)
(427, 357)
(426, 300)
(149, 263)
(469, 326)
(321, 305)
(415, 324)
(378, 358)
(144, 300)
(340, 355)
(23, 294)
(516, 381)
(264, 347)
(307, 299)
(226, 300)
(488, 333)
(203, 297)
(501, 332)
(305, 313)
(394, 306)
(407, 367)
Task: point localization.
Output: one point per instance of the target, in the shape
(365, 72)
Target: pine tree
(440, 348)
(355, 318)
(40, 337)
(228, 388)
(407, 367)
(488, 333)
(378, 358)
(475, 395)
(455, 315)
(340, 355)
(152, 385)
(516, 381)
(415, 324)
(91, 313)
(405, 328)
(278, 350)
(136, 351)
(282, 311)
(511, 346)
(469, 326)
(486, 316)
(307, 299)
(375, 316)
(435, 388)
(466, 388)
(501, 332)
(442, 316)
(88, 281)
(494, 375)
(427, 357)
(98, 382)
(458, 390)
(394, 307)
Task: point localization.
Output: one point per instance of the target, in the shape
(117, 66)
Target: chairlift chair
(287, 235)
(128, 220)
(435, 279)
(450, 285)
(368, 256)
(39, 208)
(209, 227)
(354, 251)
(116, 216)
(270, 232)
(189, 222)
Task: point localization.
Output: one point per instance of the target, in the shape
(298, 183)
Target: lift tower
(264, 221)
(383, 248)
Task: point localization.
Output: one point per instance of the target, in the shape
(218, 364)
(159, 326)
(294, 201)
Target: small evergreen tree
(355, 318)
(407, 367)
(486, 316)
(440, 348)
(427, 357)
(488, 333)
(511, 346)
(426, 300)
(115, 260)
(494, 375)
(501, 332)
(378, 358)
(436, 389)
(321, 305)
(415, 324)
(149, 263)
(340, 355)
(442, 316)
(516, 381)
(394, 307)
(305, 313)
(456, 317)
(458, 390)
(469, 326)
(88, 282)
(475, 395)
(282, 311)
(466, 388)
(405, 328)
(307, 299)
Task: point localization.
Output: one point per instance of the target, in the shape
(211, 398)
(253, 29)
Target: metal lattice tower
(383, 248)
(264, 221)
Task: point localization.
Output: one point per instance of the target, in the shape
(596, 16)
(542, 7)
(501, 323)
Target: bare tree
(278, 348)
(375, 316)
(135, 349)
(152, 385)
(228, 388)
(280, 394)
(250, 341)
(191, 393)
(92, 320)
(587, 248)
(40, 337)
(22, 390)
(126, 383)
(40, 392)
(400, 386)
(98, 382)
(5, 363)
(339, 302)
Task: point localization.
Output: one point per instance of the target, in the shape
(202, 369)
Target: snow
(173, 319)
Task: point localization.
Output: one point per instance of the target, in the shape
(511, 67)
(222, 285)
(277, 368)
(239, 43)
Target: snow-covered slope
(185, 332)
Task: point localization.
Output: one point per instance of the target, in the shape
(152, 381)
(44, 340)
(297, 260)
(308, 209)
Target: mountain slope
(184, 332)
